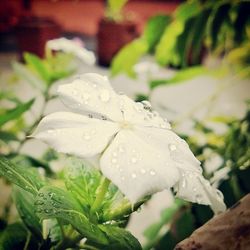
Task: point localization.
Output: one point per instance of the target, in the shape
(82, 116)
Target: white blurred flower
(147, 68)
(74, 47)
(138, 151)
(220, 176)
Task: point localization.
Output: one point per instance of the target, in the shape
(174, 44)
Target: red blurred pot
(111, 37)
(32, 33)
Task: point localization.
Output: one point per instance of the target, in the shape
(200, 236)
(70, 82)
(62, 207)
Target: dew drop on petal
(133, 160)
(104, 95)
(172, 147)
(133, 175)
(86, 136)
(114, 160)
(142, 170)
(152, 172)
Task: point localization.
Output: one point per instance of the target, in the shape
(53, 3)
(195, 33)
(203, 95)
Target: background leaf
(24, 73)
(16, 112)
(120, 239)
(128, 57)
(53, 202)
(21, 176)
(24, 202)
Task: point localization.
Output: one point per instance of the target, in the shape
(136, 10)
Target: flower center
(125, 125)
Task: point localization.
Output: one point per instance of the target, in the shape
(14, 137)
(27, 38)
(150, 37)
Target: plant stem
(27, 241)
(100, 194)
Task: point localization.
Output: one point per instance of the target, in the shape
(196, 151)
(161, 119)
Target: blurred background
(190, 59)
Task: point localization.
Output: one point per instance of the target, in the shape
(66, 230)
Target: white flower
(74, 47)
(138, 151)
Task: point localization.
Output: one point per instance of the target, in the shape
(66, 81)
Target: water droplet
(94, 85)
(163, 125)
(114, 154)
(47, 211)
(152, 172)
(198, 198)
(114, 160)
(133, 160)
(122, 178)
(121, 149)
(133, 175)
(104, 95)
(86, 136)
(184, 183)
(172, 147)
(39, 202)
(143, 171)
(147, 105)
(194, 189)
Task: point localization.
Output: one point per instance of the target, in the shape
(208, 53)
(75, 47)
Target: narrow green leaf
(23, 72)
(181, 76)
(218, 18)
(242, 21)
(53, 202)
(24, 202)
(154, 29)
(21, 176)
(187, 10)
(7, 136)
(198, 34)
(15, 112)
(37, 65)
(128, 56)
(119, 238)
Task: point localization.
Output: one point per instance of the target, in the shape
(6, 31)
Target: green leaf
(187, 10)
(114, 8)
(154, 30)
(15, 112)
(218, 18)
(37, 65)
(181, 76)
(128, 56)
(21, 176)
(82, 181)
(26, 208)
(23, 72)
(197, 36)
(13, 237)
(7, 136)
(53, 202)
(241, 22)
(119, 239)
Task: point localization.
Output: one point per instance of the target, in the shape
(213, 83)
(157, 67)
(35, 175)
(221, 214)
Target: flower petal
(91, 93)
(195, 188)
(135, 167)
(75, 134)
(140, 113)
(171, 145)
(192, 186)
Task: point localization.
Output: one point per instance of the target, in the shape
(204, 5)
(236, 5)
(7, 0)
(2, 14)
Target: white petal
(140, 113)
(75, 134)
(91, 93)
(135, 167)
(172, 145)
(193, 187)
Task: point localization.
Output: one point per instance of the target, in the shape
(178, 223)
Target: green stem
(27, 241)
(100, 194)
